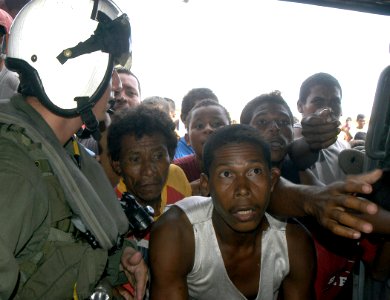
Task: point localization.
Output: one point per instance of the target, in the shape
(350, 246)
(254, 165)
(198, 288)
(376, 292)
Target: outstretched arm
(380, 221)
(331, 205)
(171, 252)
(319, 131)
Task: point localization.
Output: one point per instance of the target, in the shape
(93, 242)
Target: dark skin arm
(307, 177)
(319, 131)
(299, 283)
(380, 221)
(171, 251)
(380, 269)
(301, 154)
(330, 205)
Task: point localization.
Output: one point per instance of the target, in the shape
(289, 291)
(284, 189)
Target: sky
(243, 48)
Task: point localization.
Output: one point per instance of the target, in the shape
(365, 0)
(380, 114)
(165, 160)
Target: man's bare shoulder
(173, 214)
(299, 283)
(299, 241)
(171, 238)
(295, 230)
(173, 224)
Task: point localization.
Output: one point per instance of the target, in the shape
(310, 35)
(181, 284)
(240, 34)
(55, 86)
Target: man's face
(321, 97)
(240, 184)
(128, 95)
(361, 122)
(205, 120)
(144, 165)
(275, 125)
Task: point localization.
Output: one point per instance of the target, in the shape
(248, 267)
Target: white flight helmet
(65, 51)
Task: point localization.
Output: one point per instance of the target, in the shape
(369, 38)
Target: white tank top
(208, 279)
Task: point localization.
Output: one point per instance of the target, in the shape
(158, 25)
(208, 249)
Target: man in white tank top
(226, 246)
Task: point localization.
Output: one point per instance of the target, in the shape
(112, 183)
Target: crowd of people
(100, 196)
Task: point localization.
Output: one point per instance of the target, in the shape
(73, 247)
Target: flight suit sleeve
(23, 212)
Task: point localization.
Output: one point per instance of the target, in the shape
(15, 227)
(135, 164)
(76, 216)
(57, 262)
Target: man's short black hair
(234, 134)
(360, 116)
(250, 108)
(193, 97)
(205, 103)
(172, 104)
(122, 70)
(140, 121)
(317, 79)
(158, 102)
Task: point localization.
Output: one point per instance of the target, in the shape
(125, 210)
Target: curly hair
(139, 121)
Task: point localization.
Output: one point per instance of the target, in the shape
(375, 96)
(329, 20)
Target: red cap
(5, 20)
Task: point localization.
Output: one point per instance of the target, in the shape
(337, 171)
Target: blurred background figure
(158, 102)
(172, 113)
(360, 125)
(359, 141)
(172, 109)
(344, 133)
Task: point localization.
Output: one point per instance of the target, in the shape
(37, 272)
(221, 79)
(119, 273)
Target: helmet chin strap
(84, 108)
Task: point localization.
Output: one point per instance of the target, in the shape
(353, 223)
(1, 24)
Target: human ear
(204, 185)
(299, 106)
(275, 175)
(187, 139)
(115, 165)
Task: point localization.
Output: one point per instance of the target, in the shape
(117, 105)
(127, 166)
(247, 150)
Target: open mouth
(277, 144)
(245, 215)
